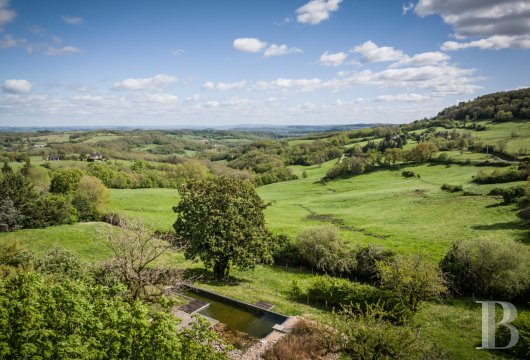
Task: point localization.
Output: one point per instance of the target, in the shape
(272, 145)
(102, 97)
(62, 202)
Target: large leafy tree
(222, 222)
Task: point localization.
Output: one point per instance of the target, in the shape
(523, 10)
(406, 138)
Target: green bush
(488, 268)
(65, 181)
(509, 195)
(452, 188)
(323, 249)
(337, 292)
(498, 176)
(367, 258)
(522, 349)
(368, 335)
(69, 319)
(412, 280)
(408, 174)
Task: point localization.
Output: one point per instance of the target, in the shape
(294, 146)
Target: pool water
(255, 323)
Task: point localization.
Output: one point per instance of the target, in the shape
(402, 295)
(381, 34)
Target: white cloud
(250, 45)
(73, 20)
(222, 86)
(177, 52)
(6, 14)
(408, 7)
(440, 80)
(17, 86)
(426, 58)
(370, 52)
(316, 11)
(9, 41)
(279, 50)
(65, 50)
(157, 82)
(336, 59)
(302, 85)
(403, 97)
(491, 43)
(498, 23)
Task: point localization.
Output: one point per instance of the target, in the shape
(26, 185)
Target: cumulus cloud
(316, 11)
(408, 7)
(250, 45)
(370, 52)
(73, 20)
(302, 85)
(222, 86)
(17, 86)
(6, 14)
(8, 41)
(426, 58)
(491, 43)
(158, 82)
(403, 97)
(65, 50)
(441, 80)
(500, 23)
(336, 59)
(279, 50)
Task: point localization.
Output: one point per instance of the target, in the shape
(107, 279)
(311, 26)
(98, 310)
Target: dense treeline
(501, 106)
(36, 198)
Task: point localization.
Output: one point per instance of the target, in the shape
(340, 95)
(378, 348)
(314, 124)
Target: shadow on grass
(207, 277)
(523, 237)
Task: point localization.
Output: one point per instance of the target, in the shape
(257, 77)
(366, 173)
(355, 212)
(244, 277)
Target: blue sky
(210, 63)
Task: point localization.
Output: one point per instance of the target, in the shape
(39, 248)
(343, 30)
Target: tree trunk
(220, 269)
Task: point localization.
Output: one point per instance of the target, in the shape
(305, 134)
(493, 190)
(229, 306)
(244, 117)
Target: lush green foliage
(501, 106)
(368, 335)
(500, 176)
(488, 268)
(222, 223)
(90, 198)
(452, 188)
(42, 318)
(412, 280)
(323, 249)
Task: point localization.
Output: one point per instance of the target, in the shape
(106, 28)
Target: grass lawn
(83, 239)
(151, 206)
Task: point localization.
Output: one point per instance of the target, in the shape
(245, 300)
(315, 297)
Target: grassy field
(408, 215)
(84, 239)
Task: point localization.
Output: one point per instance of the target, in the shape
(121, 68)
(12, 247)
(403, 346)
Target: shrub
(367, 257)
(488, 268)
(65, 181)
(307, 340)
(90, 198)
(61, 262)
(53, 209)
(500, 176)
(339, 292)
(408, 174)
(367, 335)
(522, 349)
(452, 188)
(10, 217)
(48, 319)
(322, 248)
(15, 256)
(412, 280)
(509, 195)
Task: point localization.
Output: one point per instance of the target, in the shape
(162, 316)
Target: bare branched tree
(135, 251)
